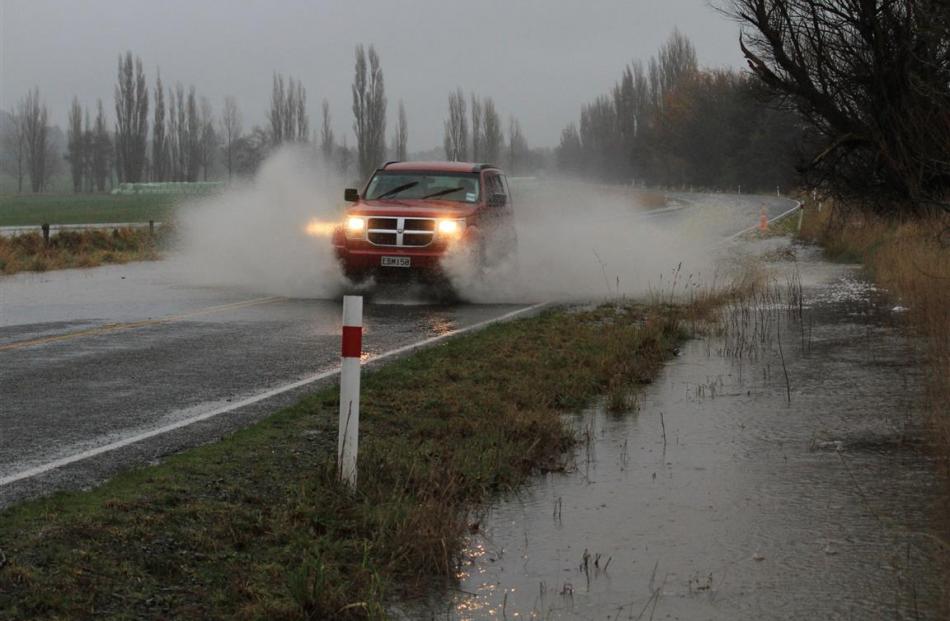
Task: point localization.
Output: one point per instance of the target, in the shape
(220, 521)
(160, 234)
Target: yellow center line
(114, 327)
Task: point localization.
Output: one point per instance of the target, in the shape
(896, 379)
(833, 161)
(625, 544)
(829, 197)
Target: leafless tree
(303, 120)
(369, 110)
(493, 140)
(600, 137)
(88, 144)
(14, 143)
(676, 59)
(478, 138)
(131, 111)
(207, 138)
(570, 155)
(326, 133)
(517, 146)
(159, 144)
(344, 158)
(75, 144)
(192, 136)
(184, 138)
(873, 78)
(35, 130)
(173, 134)
(53, 165)
(278, 109)
(288, 112)
(401, 140)
(184, 134)
(230, 130)
(455, 140)
(101, 150)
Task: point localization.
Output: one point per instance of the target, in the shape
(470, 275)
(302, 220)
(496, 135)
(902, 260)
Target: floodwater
(733, 494)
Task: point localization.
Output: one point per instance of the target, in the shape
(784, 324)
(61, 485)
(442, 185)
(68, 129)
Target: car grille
(413, 232)
(382, 223)
(382, 239)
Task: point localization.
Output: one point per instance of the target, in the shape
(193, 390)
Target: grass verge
(86, 248)
(36, 209)
(911, 259)
(256, 526)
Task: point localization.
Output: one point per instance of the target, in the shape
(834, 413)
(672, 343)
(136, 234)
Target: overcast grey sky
(539, 59)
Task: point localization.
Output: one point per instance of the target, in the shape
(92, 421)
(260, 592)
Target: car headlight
(451, 228)
(355, 226)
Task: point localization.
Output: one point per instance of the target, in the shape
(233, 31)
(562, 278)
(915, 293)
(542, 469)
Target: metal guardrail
(796, 209)
(47, 229)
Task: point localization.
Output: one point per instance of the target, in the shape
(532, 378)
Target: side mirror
(351, 195)
(497, 200)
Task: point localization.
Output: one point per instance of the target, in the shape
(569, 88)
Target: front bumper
(353, 259)
(359, 257)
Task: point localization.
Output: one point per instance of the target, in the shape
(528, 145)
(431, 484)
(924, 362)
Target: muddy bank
(733, 493)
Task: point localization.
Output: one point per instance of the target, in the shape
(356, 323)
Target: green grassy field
(29, 209)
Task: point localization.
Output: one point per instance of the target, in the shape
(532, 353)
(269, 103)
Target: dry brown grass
(650, 200)
(911, 260)
(87, 248)
(643, 199)
(698, 302)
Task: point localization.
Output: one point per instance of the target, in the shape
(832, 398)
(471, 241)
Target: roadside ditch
(781, 466)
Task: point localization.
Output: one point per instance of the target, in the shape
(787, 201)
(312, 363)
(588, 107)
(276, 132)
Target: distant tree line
(89, 148)
(170, 133)
(669, 123)
(486, 140)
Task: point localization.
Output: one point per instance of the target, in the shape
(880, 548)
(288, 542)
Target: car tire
(355, 276)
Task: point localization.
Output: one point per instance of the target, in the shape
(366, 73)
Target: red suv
(410, 214)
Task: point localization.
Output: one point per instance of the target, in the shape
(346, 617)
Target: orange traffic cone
(763, 221)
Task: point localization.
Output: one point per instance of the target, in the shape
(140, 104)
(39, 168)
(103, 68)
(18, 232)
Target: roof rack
(482, 166)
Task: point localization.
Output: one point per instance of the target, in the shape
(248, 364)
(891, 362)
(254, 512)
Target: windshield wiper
(441, 192)
(397, 190)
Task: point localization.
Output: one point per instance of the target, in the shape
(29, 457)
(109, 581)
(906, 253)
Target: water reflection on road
(732, 495)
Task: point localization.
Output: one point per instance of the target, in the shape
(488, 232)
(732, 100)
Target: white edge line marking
(145, 435)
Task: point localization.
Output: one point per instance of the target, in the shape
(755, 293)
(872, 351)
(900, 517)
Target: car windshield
(459, 187)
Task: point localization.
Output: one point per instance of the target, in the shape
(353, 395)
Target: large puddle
(733, 493)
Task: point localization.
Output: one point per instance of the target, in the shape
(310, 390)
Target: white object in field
(348, 442)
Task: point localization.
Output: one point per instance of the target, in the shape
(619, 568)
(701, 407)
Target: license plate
(396, 261)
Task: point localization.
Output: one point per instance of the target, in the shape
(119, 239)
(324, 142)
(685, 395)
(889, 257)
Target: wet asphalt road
(89, 357)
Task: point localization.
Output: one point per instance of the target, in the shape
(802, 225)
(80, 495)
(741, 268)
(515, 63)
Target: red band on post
(352, 341)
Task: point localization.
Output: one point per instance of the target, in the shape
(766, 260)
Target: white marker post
(348, 443)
